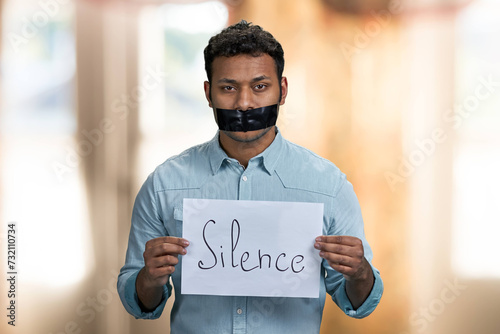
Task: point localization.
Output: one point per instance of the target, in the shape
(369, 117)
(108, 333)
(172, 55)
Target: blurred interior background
(402, 95)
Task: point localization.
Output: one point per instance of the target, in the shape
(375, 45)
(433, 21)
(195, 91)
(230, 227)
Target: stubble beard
(235, 137)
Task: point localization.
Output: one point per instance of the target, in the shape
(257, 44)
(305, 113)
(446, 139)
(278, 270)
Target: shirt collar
(217, 154)
(271, 154)
(269, 157)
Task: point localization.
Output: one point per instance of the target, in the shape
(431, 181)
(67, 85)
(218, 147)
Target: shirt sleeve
(146, 225)
(347, 220)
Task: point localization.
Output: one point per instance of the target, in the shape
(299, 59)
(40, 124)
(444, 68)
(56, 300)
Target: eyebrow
(226, 80)
(260, 78)
(232, 81)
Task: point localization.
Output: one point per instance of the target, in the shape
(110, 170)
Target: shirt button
(245, 178)
(239, 311)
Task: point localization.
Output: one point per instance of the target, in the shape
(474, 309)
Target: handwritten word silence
(260, 260)
(251, 248)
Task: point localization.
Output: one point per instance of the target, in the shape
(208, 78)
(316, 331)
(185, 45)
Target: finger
(337, 259)
(340, 239)
(167, 240)
(341, 265)
(164, 271)
(164, 249)
(157, 273)
(157, 267)
(344, 270)
(356, 252)
(334, 248)
(163, 261)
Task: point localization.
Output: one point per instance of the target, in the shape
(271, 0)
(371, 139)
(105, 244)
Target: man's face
(244, 82)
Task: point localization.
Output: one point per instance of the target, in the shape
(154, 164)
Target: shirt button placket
(239, 317)
(245, 191)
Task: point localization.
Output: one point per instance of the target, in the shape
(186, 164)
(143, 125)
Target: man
(248, 159)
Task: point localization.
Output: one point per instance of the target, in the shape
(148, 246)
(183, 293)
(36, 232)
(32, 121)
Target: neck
(244, 151)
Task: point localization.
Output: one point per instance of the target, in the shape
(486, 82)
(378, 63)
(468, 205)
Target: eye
(260, 86)
(228, 88)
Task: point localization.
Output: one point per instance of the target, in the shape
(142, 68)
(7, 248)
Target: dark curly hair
(243, 38)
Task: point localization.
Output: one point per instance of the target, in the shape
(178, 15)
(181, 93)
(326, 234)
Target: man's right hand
(160, 258)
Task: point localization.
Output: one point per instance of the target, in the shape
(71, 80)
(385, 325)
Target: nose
(244, 100)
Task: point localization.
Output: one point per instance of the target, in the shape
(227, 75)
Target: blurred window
(41, 187)
(175, 115)
(476, 215)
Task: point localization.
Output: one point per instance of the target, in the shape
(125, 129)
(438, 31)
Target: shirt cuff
(368, 305)
(132, 300)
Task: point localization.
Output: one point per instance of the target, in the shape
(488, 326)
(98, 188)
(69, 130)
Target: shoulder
(300, 168)
(188, 169)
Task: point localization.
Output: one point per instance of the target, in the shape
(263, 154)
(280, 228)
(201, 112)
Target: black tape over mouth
(249, 120)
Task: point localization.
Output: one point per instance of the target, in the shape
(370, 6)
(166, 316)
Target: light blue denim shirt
(283, 172)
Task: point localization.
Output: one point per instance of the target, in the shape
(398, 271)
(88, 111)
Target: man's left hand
(346, 255)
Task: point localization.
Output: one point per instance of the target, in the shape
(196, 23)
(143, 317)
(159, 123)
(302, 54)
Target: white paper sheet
(251, 248)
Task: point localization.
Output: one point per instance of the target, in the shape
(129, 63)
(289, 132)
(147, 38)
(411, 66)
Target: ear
(206, 87)
(284, 90)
